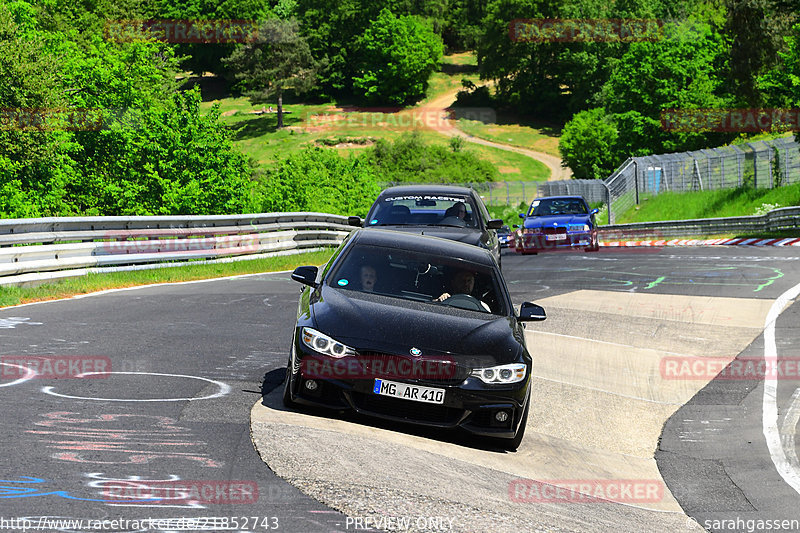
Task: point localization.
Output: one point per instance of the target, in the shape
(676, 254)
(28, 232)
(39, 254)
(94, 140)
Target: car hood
(466, 235)
(555, 220)
(388, 325)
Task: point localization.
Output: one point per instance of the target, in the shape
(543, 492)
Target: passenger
(460, 210)
(368, 278)
(455, 215)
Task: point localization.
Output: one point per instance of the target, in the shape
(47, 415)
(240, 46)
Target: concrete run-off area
(600, 401)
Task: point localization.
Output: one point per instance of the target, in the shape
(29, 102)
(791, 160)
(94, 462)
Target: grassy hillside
(325, 124)
(710, 204)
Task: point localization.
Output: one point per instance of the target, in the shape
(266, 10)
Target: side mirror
(522, 215)
(529, 312)
(495, 223)
(516, 226)
(594, 211)
(355, 221)
(307, 275)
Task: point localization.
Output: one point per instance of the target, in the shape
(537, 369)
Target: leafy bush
(319, 180)
(410, 160)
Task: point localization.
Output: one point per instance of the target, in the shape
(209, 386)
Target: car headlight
(501, 374)
(532, 231)
(579, 227)
(319, 342)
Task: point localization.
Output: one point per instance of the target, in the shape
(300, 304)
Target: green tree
(781, 84)
(755, 29)
(209, 56)
(396, 57)
(35, 161)
(164, 160)
(552, 75)
(679, 72)
(588, 144)
(332, 28)
(278, 60)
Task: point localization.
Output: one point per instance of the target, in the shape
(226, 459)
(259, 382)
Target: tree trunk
(280, 109)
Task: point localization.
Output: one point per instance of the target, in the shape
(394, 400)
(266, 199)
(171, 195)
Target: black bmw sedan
(448, 211)
(413, 329)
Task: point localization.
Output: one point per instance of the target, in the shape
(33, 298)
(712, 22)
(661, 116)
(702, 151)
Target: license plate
(556, 237)
(408, 392)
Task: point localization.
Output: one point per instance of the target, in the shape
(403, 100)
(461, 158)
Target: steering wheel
(464, 301)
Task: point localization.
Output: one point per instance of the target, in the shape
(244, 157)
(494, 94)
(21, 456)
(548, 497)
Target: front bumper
(537, 242)
(469, 403)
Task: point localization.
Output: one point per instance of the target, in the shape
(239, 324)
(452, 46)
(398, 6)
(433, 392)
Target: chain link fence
(762, 164)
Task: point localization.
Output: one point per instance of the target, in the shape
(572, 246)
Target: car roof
(425, 244)
(426, 189)
(571, 197)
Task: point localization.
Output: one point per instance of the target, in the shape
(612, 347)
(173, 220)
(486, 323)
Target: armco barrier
(41, 249)
(785, 218)
(35, 250)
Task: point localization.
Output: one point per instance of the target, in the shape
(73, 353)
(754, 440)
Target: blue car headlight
(501, 374)
(321, 343)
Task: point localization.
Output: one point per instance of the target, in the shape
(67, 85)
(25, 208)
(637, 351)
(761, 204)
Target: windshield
(425, 210)
(558, 206)
(409, 275)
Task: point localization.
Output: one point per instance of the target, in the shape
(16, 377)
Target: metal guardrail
(785, 218)
(34, 250)
(37, 250)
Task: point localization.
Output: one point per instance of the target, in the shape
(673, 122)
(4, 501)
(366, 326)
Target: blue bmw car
(557, 223)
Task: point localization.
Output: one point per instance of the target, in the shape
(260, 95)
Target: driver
(462, 282)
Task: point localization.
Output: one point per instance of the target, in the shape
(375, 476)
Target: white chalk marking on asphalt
(789, 473)
(29, 374)
(223, 389)
(14, 321)
(789, 429)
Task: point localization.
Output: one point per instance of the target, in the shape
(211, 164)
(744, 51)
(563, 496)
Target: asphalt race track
(628, 431)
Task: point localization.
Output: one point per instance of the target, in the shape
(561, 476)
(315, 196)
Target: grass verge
(117, 280)
(742, 201)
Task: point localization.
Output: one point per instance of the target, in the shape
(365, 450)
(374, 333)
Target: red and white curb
(793, 241)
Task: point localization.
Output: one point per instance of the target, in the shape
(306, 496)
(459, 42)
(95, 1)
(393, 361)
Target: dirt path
(447, 127)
